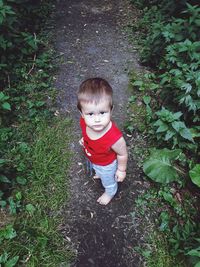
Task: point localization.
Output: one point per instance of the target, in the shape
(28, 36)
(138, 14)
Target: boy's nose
(97, 118)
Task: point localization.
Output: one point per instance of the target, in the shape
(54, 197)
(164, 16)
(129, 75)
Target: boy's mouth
(97, 126)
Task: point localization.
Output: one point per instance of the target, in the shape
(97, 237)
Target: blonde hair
(93, 90)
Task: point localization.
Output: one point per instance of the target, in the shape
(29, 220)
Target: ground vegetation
(33, 161)
(169, 91)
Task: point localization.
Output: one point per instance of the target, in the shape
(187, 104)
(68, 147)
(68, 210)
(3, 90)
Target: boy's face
(96, 116)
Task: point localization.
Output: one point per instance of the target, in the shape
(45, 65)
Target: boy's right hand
(120, 175)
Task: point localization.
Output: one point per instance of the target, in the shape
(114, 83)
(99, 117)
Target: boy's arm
(122, 157)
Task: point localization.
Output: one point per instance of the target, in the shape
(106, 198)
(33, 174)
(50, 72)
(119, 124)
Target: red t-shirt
(99, 151)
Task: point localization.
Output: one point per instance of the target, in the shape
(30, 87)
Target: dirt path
(90, 36)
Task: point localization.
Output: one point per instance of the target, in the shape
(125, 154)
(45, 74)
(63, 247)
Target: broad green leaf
(3, 203)
(162, 127)
(3, 257)
(153, 86)
(158, 123)
(181, 128)
(147, 99)
(195, 174)
(185, 133)
(146, 253)
(18, 196)
(12, 262)
(169, 198)
(164, 216)
(8, 232)
(195, 132)
(12, 205)
(187, 87)
(197, 264)
(178, 125)
(2, 161)
(3, 97)
(21, 180)
(6, 106)
(132, 99)
(138, 83)
(171, 154)
(4, 179)
(194, 252)
(30, 208)
(177, 115)
(169, 135)
(159, 166)
(39, 103)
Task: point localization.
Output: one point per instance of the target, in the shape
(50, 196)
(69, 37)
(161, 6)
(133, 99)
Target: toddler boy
(102, 141)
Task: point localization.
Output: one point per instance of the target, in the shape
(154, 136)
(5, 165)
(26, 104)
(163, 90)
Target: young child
(102, 141)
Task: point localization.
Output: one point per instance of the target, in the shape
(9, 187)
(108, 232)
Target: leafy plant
(7, 233)
(15, 203)
(169, 127)
(146, 83)
(30, 208)
(195, 252)
(195, 174)
(8, 262)
(160, 165)
(182, 63)
(170, 43)
(149, 112)
(5, 105)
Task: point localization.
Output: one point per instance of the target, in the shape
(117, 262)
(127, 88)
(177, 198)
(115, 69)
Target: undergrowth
(167, 97)
(34, 148)
(159, 255)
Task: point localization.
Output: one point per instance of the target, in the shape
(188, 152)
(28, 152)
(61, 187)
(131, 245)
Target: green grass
(50, 164)
(39, 241)
(160, 255)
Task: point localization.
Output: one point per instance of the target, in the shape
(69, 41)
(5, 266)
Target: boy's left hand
(81, 142)
(120, 175)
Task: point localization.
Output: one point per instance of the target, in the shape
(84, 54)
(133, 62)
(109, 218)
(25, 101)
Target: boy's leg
(107, 175)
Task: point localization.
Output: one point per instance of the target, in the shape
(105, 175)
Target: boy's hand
(81, 141)
(120, 175)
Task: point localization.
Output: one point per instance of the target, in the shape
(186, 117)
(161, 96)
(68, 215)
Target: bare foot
(104, 199)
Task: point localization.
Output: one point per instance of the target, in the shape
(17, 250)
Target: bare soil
(91, 38)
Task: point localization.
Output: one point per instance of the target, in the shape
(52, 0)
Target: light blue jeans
(107, 176)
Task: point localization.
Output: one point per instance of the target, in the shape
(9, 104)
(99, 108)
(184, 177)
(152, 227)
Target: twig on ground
(34, 58)
(8, 81)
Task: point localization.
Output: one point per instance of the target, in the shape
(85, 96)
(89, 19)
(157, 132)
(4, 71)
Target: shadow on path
(90, 37)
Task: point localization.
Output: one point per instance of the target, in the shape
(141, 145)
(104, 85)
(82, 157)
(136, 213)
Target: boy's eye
(102, 112)
(90, 113)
